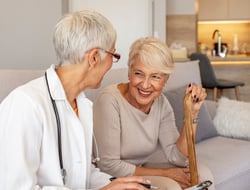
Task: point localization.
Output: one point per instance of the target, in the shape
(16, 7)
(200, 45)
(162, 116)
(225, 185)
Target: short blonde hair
(153, 53)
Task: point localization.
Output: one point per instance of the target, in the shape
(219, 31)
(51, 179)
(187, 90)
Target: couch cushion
(211, 106)
(113, 76)
(184, 73)
(205, 128)
(228, 160)
(232, 118)
(11, 78)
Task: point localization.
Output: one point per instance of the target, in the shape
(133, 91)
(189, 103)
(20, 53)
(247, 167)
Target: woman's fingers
(134, 179)
(198, 93)
(131, 182)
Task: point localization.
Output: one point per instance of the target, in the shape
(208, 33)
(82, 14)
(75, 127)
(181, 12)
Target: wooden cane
(190, 139)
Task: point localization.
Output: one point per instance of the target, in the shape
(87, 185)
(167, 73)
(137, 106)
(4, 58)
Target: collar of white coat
(55, 85)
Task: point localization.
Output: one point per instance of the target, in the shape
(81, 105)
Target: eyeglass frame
(117, 56)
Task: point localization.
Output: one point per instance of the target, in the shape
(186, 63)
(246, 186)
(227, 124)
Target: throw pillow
(205, 128)
(183, 74)
(232, 118)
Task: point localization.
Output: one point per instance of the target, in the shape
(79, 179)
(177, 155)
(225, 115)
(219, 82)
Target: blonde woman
(132, 120)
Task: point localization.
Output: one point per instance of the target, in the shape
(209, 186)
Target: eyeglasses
(115, 56)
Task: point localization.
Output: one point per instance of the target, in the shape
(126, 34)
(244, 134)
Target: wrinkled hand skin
(198, 95)
(127, 183)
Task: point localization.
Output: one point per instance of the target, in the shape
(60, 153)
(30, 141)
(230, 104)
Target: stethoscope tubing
(59, 138)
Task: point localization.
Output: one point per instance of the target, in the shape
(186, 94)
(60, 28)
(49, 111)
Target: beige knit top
(126, 136)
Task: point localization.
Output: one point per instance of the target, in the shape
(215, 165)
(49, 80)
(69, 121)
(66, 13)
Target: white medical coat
(28, 139)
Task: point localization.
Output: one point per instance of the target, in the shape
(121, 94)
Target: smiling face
(146, 84)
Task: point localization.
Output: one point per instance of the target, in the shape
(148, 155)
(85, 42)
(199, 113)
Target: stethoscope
(59, 141)
(58, 124)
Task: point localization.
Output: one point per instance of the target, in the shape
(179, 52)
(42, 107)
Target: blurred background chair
(209, 80)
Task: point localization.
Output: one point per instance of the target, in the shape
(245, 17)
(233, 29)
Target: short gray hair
(152, 52)
(78, 32)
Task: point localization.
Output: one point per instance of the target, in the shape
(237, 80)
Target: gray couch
(227, 158)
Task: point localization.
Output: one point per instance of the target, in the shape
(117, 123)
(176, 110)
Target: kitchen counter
(232, 59)
(181, 59)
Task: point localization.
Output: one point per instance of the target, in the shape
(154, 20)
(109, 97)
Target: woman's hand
(131, 182)
(198, 96)
(180, 175)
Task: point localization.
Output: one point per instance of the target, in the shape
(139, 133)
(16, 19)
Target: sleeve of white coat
(20, 142)
(98, 179)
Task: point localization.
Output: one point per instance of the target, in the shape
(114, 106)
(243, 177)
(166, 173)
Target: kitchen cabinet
(215, 10)
(239, 9)
(212, 10)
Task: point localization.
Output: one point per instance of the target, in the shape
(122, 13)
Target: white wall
(26, 28)
(181, 7)
(160, 19)
(131, 18)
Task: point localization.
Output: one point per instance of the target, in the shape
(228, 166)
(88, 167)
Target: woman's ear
(94, 57)
(129, 74)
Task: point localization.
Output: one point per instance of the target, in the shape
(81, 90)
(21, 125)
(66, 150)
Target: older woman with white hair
(46, 125)
(132, 120)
